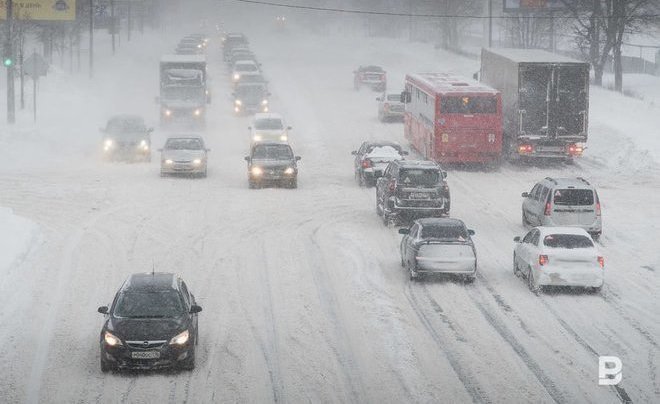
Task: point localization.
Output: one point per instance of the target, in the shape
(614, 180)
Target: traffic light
(7, 61)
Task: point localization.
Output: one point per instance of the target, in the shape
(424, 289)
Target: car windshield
(456, 233)
(125, 126)
(567, 241)
(574, 197)
(394, 97)
(250, 91)
(272, 152)
(183, 144)
(419, 177)
(245, 67)
(149, 304)
(268, 124)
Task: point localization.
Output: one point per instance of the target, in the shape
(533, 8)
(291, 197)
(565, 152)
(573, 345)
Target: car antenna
(153, 267)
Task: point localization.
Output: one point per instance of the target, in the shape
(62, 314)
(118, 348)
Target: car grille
(145, 344)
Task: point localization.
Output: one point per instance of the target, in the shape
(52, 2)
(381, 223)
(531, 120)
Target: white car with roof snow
(563, 202)
(390, 107)
(558, 256)
(438, 246)
(372, 158)
(185, 154)
(268, 127)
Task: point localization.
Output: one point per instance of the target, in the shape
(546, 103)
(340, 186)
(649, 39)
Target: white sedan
(268, 126)
(558, 256)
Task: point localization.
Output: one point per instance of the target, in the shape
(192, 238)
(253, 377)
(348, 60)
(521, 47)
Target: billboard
(41, 10)
(532, 5)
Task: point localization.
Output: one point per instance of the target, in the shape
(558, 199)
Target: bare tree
(600, 27)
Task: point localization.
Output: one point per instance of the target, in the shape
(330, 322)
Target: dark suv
(411, 189)
(126, 137)
(151, 324)
(272, 163)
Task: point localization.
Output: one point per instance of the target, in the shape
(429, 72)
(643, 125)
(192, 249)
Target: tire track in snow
(464, 375)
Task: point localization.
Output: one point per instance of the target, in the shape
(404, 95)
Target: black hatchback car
(151, 324)
(272, 163)
(412, 189)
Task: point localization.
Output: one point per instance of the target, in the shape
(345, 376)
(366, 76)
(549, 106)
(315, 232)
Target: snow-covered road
(304, 299)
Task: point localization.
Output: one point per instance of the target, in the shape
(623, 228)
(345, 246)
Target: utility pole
(490, 23)
(129, 23)
(113, 27)
(9, 64)
(91, 39)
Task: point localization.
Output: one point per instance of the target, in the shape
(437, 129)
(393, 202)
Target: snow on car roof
(183, 58)
(384, 151)
(562, 230)
(267, 115)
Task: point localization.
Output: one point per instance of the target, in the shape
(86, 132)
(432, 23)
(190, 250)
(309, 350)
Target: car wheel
(530, 283)
(105, 367)
(596, 290)
(469, 278)
(386, 219)
(414, 275)
(293, 184)
(525, 223)
(516, 270)
(403, 264)
(252, 185)
(379, 209)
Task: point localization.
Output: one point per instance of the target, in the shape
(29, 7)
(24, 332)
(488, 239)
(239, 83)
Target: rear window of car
(393, 97)
(573, 197)
(456, 233)
(567, 241)
(419, 177)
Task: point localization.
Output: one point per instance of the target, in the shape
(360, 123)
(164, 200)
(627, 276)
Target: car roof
(272, 143)
(573, 182)
(151, 281)
(372, 68)
(267, 115)
(185, 137)
(382, 143)
(440, 221)
(546, 230)
(126, 117)
(416, 164)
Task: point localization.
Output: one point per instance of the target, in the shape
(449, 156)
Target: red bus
(451, 119)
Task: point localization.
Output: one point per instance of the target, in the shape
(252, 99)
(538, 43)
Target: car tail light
(597, 205)
(366, 163)
(548, 209)
(543, 260)
(386, 107)
(392, 185)
(525, 149)
(575, 150)
(601, 262)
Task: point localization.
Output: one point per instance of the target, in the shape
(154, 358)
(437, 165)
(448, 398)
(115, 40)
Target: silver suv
(563, 202)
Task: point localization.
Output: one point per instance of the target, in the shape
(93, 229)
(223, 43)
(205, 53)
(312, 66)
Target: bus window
(468, 105)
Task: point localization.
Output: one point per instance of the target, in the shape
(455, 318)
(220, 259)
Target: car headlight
(197, 162)
(257, 171)
(167, 112)
(257, 138)
(199, 46)
(237, 109)
(264, 102)
(284, 138)
(238, 102)
(180, 338)
(197, 112)
(108, 143)
(111, 340)
(237, 76)
(265, 108)
(168, 162)
(289, 171)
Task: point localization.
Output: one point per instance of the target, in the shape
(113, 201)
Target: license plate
(145, 355)
(419, 195)
(549, 148)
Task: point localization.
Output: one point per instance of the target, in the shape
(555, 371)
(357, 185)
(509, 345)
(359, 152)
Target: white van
(570, 202)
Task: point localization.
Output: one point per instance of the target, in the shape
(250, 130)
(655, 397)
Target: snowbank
(16, 234)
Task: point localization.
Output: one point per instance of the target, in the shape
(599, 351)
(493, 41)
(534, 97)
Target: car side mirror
(516, 239)
(404, 231)
(247, 158)
(289, 128)
(195, 309)
(471, 232)
(249, 127)
(525, 194)
(354, 152)
(377, 98)
(476, 76)
(298, 158)
(103, 309)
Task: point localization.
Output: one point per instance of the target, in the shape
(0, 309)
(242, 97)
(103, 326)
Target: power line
(394, 14)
